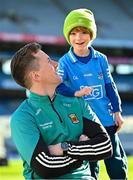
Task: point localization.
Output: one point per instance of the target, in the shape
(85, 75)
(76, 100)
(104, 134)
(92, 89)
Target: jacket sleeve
(34, 151)
(48, 166)
(98, 146)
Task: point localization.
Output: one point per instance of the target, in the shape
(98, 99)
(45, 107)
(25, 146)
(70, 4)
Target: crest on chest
(73, 118)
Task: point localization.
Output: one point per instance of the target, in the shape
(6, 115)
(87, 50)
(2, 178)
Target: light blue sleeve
(106, 70)
(61, 70)
(110, 85)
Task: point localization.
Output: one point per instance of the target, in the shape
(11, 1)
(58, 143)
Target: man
(55, 135)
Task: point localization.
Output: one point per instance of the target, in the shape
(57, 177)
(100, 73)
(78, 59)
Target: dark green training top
(39, 122)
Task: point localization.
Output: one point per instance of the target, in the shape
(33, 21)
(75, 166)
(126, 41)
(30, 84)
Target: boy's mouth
(80, 43)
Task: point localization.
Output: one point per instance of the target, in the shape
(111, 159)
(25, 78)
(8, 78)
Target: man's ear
(34, 76)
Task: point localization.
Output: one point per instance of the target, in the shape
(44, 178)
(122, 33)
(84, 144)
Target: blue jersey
(95, 74)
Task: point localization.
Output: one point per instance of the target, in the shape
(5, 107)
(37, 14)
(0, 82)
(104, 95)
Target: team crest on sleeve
(73, 118)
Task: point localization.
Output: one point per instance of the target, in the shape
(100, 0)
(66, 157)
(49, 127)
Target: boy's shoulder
(97, 54)
(65, 57)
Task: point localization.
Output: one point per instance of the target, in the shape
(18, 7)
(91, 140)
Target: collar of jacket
(40, 99)
(73, 57)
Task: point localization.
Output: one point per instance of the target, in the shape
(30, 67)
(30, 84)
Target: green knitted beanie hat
(80, 17)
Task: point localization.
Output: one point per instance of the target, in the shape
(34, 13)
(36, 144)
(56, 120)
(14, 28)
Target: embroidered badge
(100, 75)
(74, 118)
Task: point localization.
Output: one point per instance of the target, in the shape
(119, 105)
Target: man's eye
(49, 60)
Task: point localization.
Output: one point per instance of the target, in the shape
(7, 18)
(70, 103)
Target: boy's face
(80, 38)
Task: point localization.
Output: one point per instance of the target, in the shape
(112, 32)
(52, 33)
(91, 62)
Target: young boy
(84, 66)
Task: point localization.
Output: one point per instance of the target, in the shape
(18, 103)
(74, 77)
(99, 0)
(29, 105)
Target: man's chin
(59, 81)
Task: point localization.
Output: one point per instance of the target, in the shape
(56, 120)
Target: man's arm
(95, 145)
(51, 166)
(34, 150)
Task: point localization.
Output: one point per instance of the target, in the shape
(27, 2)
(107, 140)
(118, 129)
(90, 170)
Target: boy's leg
(116, 166)
(94, 168)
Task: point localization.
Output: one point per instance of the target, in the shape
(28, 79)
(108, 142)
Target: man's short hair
(23, 61)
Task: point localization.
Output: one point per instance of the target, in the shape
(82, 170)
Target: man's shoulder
(20, 112)
(70, 99)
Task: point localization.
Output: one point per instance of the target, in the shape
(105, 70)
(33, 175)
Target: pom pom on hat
(79, 17)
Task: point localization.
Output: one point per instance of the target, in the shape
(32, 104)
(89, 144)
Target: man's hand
(85, 91)
(55, 149)
(118, 120)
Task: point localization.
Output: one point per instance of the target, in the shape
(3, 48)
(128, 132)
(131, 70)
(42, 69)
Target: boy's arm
(112, 93)
(116, 104)
(67, 91)
(110, 85)
(84, 91)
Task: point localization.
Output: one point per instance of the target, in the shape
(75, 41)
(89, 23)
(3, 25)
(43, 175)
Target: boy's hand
(83, 138)
(118, 120)
(85, 91)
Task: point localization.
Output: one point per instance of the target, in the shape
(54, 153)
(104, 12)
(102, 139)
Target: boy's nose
(78, 36)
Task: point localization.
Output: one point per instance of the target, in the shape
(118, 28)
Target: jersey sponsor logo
(46, 125)
(97, 93)
(66, 105)
(75, 78)
(88, 75)
(73, 118)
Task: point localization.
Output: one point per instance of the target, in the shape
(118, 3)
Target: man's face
(47, 69)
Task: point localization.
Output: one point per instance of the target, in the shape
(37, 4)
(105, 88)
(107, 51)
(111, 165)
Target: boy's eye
(72, 33)
(84, 32)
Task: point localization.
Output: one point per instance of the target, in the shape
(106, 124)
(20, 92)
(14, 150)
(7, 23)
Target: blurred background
(24, 21)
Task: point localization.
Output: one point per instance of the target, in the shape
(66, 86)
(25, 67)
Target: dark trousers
(116, 166)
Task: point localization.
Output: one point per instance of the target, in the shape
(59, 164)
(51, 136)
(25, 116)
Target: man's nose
(55, 64)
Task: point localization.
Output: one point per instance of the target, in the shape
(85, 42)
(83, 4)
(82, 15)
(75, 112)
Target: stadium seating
(46, 16)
